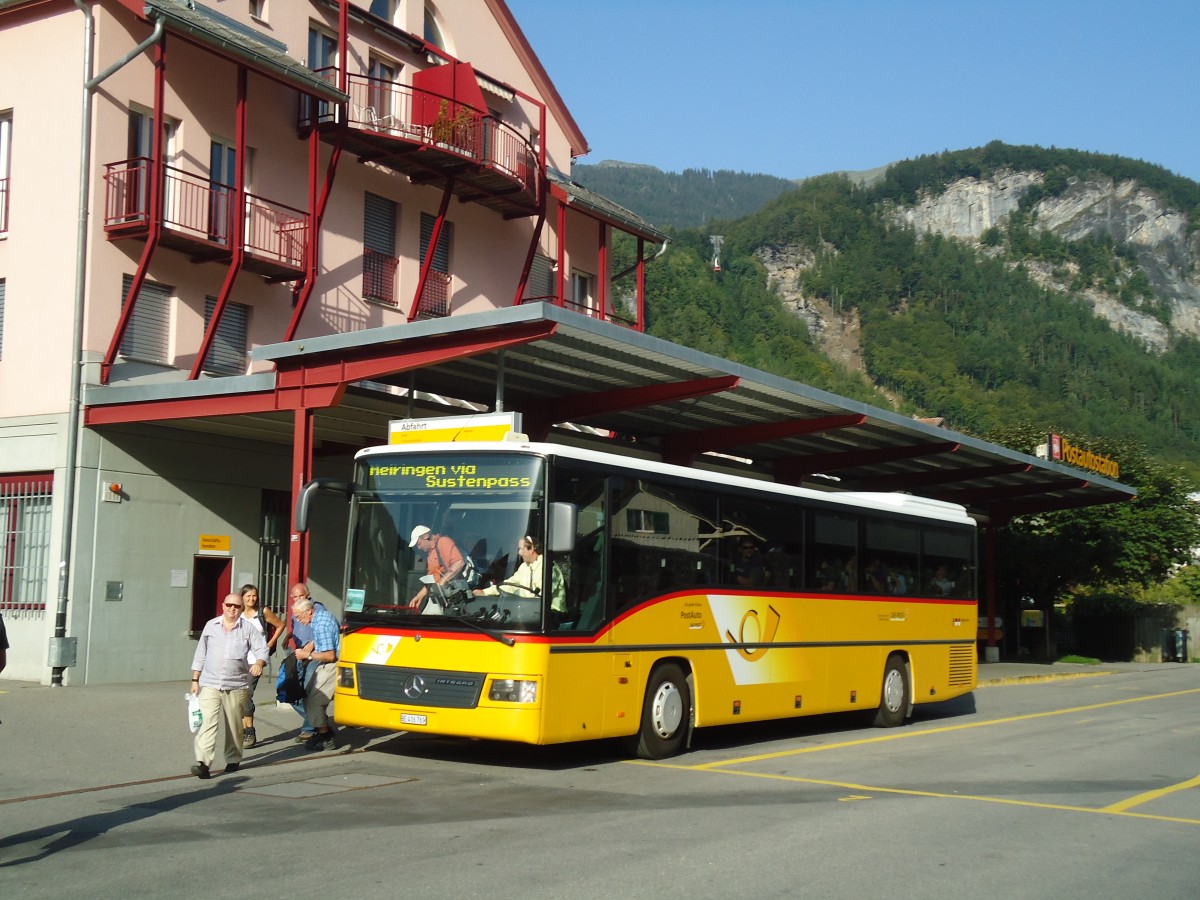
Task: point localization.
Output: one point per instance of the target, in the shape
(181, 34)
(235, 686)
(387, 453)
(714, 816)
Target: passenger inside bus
(443, 559)
(749, 567)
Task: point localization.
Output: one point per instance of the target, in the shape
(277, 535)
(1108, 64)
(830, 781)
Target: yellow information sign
(214, 543)
(484, 427)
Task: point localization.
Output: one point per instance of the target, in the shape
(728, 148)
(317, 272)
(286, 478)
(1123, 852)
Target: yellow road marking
(907, 792)
(903, 735)
(1120, 808)
(1139, 799)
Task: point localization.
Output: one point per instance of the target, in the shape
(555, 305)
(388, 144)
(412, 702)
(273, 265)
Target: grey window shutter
(227, 355)
(379, 224)
(145, 336)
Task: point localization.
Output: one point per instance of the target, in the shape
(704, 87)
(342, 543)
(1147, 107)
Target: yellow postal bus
(660, 598)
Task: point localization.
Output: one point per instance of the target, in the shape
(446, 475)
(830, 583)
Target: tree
(1138, 543)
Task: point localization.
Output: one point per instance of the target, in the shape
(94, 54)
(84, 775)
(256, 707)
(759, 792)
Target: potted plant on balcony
(454, 131)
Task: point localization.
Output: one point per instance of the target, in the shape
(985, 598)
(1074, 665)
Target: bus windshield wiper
(480, 627)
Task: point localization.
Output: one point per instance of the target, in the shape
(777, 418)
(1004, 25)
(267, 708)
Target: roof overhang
(638, 393)
(226, 37)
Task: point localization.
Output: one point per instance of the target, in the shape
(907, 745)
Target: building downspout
(58, 650)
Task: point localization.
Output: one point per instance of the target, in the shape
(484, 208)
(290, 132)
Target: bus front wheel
(893, 704)
(666, 714)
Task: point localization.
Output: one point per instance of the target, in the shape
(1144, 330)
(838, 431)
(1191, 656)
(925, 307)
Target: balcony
(197, 219)
(430, 137)
(590, 310)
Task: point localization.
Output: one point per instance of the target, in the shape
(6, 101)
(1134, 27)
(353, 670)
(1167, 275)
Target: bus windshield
(447, 537)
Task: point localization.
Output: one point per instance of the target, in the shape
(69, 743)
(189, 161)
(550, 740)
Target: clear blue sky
(801, 87)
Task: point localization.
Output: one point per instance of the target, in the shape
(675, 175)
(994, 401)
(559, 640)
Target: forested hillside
(682, 199)
(989, 333)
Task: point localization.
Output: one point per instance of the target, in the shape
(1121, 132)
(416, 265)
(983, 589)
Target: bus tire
(894, 699)
(666, 714)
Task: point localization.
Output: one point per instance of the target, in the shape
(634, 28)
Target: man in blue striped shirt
(323, 654)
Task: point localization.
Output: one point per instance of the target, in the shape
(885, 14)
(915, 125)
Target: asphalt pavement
(62, 739)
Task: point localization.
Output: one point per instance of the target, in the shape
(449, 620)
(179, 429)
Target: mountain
(670, 199)
(995, 287)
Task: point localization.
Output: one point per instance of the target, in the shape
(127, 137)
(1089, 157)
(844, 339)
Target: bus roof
(906, 504)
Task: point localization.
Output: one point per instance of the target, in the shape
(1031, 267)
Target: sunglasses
(234, 606)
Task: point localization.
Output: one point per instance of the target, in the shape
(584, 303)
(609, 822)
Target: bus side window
(583, 567)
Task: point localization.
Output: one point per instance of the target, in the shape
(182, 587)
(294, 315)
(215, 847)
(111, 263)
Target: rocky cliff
(1124, 211)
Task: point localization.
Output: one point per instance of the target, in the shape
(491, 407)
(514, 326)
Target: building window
(434, 33)
(5, 167)
(322, 59)
(258, 10)
(146, 334)
(381, 106)
(379, 249)
(227, 355)
(134, 182)
(385, 9)
(25, 508)
(583, 296)
(435, 300)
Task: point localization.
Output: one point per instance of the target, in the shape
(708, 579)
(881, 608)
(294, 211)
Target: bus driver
(526, 581)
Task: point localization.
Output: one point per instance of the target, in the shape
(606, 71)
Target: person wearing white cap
(443, 559)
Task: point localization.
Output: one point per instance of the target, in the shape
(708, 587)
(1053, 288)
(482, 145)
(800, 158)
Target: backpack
(289, 689)
(468, 577)
(470, 574)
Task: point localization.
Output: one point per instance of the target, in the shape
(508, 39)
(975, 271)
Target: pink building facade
(182, 184)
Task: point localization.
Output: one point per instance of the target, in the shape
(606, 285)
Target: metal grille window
(227, 355)
(379, 249)
(25, 507)
(145, 336)
(273, 542)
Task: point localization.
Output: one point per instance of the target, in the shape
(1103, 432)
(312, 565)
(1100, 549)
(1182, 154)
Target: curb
(1030, 679)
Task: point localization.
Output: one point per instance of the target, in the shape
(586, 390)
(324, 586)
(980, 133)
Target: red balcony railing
(379, 276)
(504, 174)
(3, 205)
(198, 213)
(276, 232)
(592, 312)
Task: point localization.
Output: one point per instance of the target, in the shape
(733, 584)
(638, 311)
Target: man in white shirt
(221, 679)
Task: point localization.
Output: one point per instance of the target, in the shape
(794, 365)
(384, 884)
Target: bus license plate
(413, 719)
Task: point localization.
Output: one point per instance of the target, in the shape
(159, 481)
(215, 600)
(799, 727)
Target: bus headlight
(345, 677)
(513, 690)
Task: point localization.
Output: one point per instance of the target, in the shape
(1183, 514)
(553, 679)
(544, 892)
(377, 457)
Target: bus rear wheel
(893, 702)
(666, 714)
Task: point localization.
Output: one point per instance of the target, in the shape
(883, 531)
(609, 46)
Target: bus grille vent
(962, 665)
(420, 687)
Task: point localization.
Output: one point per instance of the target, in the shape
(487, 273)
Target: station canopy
(581, 380)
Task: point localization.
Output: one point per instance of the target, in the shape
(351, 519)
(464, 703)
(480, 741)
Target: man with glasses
(221, 679)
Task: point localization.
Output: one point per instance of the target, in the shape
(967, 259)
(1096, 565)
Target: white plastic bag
(195, 717)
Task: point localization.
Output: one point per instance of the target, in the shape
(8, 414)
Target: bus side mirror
(564, 517)
(304, 501)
